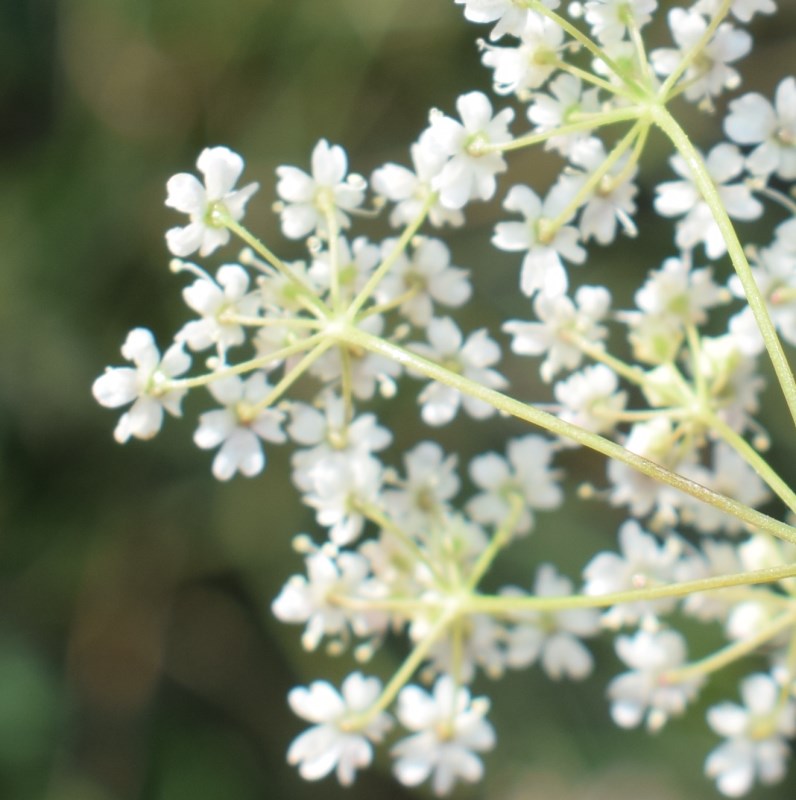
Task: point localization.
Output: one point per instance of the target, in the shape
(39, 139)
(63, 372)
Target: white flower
(610, 19)
(425, 277)
(610, 205)
(330, 744)
(469, 173)
(591, 398)
(521, 69)
(553, 637)
(146, 385)
(328, 434)
(754, 120)
(510, 15)
(339, 486)
(642, 562)
(450, 729)
(642, 494)
(205, 232)
(646, 693)
(472, 358)
(239, 426)
(431, 481)
(757, 734)
(355, 263)
(560, 318)
(217, 301)
(542, 267)
(309, 198)
(410, 191)
(744, 10)
(708, 75)
(526, 473)
(310, 600)
(724, 164)
(680, 293)
(567, 100)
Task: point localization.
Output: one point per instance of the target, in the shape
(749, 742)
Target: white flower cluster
(674, 405)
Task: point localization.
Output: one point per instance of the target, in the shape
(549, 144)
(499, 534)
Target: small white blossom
(425, 277)
(526, 473)
(646, 694)
(753, 120)
(411, 191)
(542, 267)
(331, 744)
(757, 736)
(710, 74)
(472, 357)
(216, 301)
(205, 232)
(509, 15)
(553, 637)
(642, 562)
(328, 190)
(424, 494)
(591, 398)
(744, 10)
(611, 19)
(310, 600)
(146, 386)
(449, 730)
(239, 426)
(521, 69)
(559, 318)
(675, 198)
(567, 100)
(469, 173)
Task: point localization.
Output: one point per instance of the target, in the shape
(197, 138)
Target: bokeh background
(139, 659)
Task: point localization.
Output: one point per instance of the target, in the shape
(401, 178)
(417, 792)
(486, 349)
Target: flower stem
(509, 405)
(756, 301)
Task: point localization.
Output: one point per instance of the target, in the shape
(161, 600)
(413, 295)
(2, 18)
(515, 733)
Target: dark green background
(138, 656)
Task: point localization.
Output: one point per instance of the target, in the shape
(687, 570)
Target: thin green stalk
(500, 539)
(582, 38)
(735, 249)
(508, 405)
(731, 653)
(695, 51)
(593, 181)
(292, 376)
(584, 122)
(245, 366)
(404, 673)
(753, 458)
(507, 605)
(385, 266)
(276, 262)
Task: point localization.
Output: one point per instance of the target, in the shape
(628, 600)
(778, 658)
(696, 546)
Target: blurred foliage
(138, 656)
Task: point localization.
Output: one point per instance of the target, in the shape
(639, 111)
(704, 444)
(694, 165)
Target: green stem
(753, 458)
(404, 673)
(506, 605)
(293, 375)
(385, 266)
(508, 405)
(731, 653)
(585, 122)
(500, 539)
(276, 262)
(695, 51)
(593, 181)
(582, 38)
(756, 301)
(246, 366)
